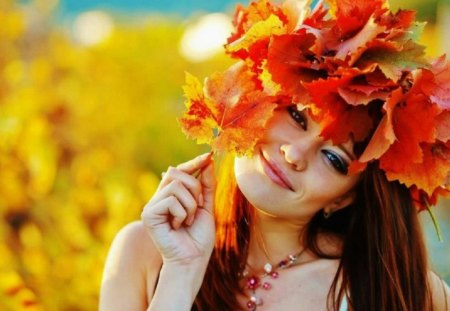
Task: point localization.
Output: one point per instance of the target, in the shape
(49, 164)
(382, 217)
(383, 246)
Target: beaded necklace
(270, 273)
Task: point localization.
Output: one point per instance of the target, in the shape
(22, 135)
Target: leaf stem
(435, 223)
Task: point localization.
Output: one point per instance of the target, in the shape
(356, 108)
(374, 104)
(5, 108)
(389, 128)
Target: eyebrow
(347, 152)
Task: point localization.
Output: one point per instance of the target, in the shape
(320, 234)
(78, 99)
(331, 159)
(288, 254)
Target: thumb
(208, 181)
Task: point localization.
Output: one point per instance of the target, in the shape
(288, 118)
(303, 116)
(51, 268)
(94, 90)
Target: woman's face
(294, 173)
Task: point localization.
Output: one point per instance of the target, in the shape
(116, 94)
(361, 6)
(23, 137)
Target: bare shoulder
(440, 292)
(131, 270)
(133, 247)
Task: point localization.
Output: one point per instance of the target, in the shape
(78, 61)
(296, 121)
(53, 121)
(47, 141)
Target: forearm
(177, 288)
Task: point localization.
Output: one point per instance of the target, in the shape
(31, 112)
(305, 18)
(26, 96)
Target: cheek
(325, 189)
(256, 187)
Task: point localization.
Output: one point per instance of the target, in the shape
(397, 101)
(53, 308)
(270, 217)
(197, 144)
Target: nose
(295, 156)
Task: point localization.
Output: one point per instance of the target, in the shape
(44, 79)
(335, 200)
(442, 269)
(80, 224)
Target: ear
(341, 202)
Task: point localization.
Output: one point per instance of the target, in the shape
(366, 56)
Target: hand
(179, 216)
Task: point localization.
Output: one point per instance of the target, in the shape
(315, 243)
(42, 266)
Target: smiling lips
(275, 173)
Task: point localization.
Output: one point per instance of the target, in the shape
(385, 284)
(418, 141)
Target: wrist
(178, 285)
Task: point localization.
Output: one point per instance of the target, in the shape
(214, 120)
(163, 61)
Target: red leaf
(246, 18)
(437, 83)
(423, 201)
(339, 121)
(355, 98)
(350, 123)
(351, 15)
(430, 173)
(384, 135)
(355, 46)
(403, 19)
(443, 126)
(288, 63)
(413, 126)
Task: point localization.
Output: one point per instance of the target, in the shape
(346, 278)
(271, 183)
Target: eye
(298, 116)
(337, 162)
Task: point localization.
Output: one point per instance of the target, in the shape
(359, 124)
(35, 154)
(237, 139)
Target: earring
(326, 214)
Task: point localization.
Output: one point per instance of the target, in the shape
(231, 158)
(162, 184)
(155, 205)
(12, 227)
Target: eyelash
(335, 160)
(298, 117)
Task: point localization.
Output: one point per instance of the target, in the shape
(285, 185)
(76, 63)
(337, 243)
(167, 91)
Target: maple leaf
(406, 151)
(436, 83)
(430, 173)
(273, 25)
(296, 12)
(230, 113)
(384, 135)
(355, 46)
(316, 18)
(403, 19)
(288, 63)
(199, 120)
(443, 126)
(338, 120)
(423, 201)
(392, 64)
(357, 97)
(350, 123)
(351, 15)
(256, 22)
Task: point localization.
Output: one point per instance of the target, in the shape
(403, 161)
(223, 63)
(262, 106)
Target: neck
(273, 239)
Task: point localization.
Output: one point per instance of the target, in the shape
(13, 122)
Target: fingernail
(200, 199)
(190, 221)
(204, 156)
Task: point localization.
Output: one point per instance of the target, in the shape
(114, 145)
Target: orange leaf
(244, 124)
(230, 114)
(351, 15)
(259, 31)
(339, 121)
(423, 201)
(413, 126)
(354, 97)
(355, 46)
(428, 175)
(437, 83)
(288, 64)
(443, 126)
(384, 135)
(252, 24)
(296, 12)
(200, 118)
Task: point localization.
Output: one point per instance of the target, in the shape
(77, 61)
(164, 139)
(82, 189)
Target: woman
(310, 221)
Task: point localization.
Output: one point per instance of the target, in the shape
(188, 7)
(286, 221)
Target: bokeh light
(206, 37)
(92, 27)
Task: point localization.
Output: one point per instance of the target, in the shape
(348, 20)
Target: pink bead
(274, 275)
(252, 282)
(267, 286)
(250, 304)
(283, 264)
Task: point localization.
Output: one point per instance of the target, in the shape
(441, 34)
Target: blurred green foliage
(84, 135)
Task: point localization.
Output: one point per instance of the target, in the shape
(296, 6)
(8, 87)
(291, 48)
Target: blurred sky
(181, 7)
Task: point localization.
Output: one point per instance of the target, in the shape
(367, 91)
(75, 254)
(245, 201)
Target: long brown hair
(383, 263)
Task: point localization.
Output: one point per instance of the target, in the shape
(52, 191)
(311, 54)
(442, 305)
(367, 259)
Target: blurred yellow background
(88, 109)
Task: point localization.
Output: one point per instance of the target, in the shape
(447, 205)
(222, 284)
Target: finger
(208, 181)
(190, 167)
(190, 182)
(168, 210)
(176, 188)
